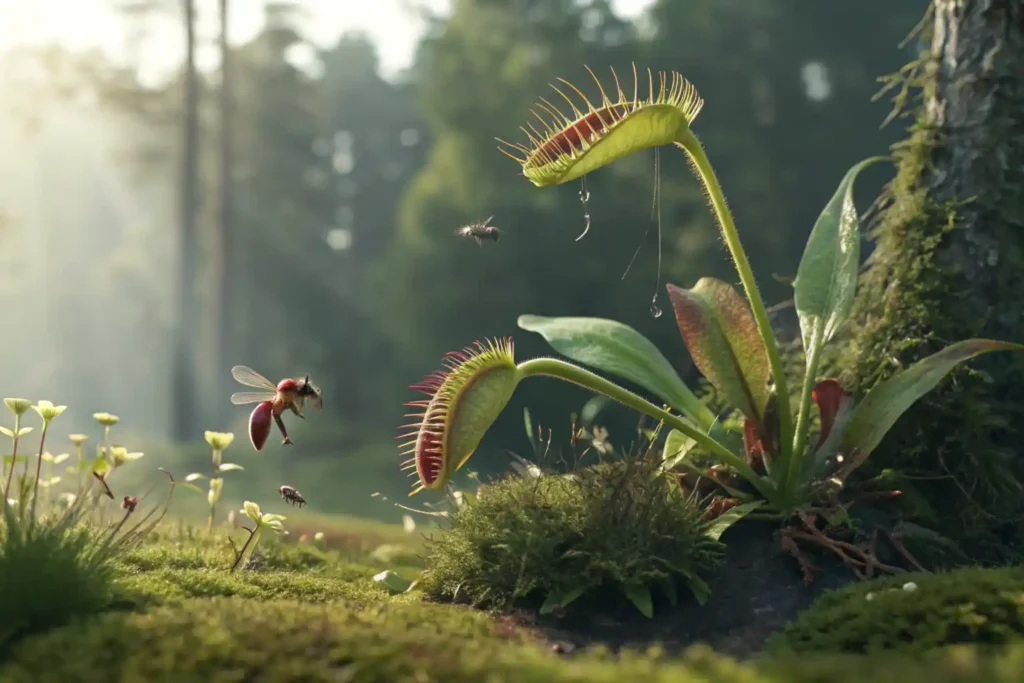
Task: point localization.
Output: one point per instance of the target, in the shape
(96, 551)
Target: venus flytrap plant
(729, 338)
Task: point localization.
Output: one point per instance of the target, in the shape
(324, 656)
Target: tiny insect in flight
(292, 496)
(480, 231)
(288, 394)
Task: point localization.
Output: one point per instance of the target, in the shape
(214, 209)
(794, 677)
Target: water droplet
(584, 198)
(655, 308)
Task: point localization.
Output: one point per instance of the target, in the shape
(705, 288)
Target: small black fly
(480, 231)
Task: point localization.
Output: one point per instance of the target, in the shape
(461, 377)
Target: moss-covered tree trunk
(949, 264)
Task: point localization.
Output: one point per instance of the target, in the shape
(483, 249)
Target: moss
(525, 539)
(935, 278)
(174, 585)
(974, 605)
(228, 640)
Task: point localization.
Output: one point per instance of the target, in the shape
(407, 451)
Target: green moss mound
(226, 640)
(974, 605)
(554, 538)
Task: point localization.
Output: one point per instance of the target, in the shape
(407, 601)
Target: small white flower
(869, 597)
(910, 586)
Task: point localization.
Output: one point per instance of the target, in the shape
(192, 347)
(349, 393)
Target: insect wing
(250, 378)
(246, 397)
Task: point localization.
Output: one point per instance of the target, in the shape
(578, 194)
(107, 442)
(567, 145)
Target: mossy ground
(308, 614)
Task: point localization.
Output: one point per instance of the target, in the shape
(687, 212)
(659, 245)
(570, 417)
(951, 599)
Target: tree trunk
(224, 256)
(949, 265)
(184, 359)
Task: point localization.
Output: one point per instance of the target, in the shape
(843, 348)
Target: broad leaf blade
(677, 447)
(722, 338)
(875, 415)
(725, 520)
(621, 351)
(826, 280)
(560, 600)
(640, 596)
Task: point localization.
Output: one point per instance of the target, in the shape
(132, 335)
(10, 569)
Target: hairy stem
(692, 146)
(254, 535)
(568, 372)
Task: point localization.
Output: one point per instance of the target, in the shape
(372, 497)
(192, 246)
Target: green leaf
(826, 280)
(528, 423)
(190, 487)
(730, 517)
(640, 596)
(394, 583)
(720, 333)
(668, 587)
(677, 447)
(621, 351)
(195, 476)
(229, 466)
(875, 415)
(700, 589)
(561, 599)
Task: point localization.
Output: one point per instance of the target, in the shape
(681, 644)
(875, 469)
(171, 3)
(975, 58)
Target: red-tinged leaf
(753, 447)
(830, 396)
(722, 338)
(875, 415)
(259, 424)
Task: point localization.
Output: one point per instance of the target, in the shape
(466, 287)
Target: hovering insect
(480, 231)
(289, 394)
(292, 496)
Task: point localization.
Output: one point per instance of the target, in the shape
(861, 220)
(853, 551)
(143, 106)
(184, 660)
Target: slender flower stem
(39, 467)
(692, 146)
(254, 536)
(560, 369)
(14, 458)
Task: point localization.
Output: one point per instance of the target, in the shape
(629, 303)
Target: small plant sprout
(218, 442)
(261, 521)
(18, 406)
(108, 421)
(78, 441)
(47, 411)
(771, 456)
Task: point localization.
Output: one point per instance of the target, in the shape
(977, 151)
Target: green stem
(254, 537)
(796, 460)
(14, 458)
(692, 146)
(568, 372)
(39, 467)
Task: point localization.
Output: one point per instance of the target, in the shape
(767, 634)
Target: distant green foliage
(554, 538)
(50, 572)
(975, 605)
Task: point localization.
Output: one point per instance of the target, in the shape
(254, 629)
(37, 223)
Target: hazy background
(361, 135)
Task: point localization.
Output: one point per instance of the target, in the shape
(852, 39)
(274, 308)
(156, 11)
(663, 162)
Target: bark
(949, 265)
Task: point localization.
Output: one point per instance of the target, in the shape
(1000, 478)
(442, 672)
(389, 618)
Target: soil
(759, 589)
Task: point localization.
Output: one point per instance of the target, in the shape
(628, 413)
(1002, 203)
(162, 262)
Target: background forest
(290, 206)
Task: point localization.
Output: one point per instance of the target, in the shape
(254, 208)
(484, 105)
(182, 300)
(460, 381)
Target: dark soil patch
(759, 589)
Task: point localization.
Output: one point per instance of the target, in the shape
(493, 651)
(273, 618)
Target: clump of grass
(551, 539)
(913, 613)
(50, 572)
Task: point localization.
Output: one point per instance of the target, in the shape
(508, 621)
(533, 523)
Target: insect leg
(284, 432)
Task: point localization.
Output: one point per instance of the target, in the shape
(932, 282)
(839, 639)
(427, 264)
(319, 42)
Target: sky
(80, 24)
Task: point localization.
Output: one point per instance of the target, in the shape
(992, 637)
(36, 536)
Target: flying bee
(292, 496)
(288, 394)
(480, 231)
